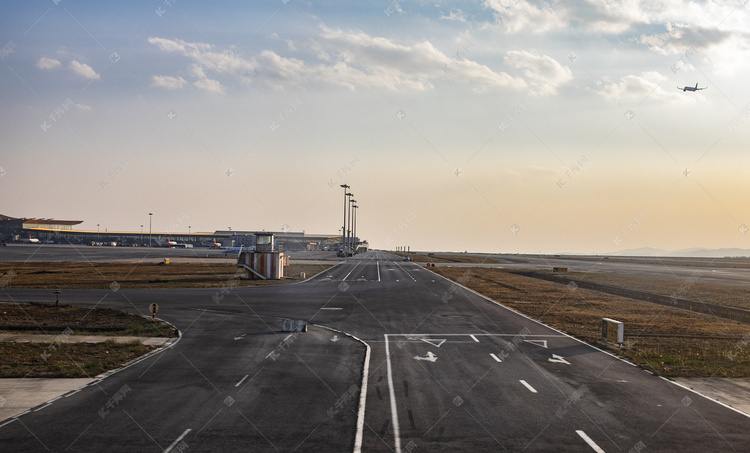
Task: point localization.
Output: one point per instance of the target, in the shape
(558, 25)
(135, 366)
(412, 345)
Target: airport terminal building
(62, 231)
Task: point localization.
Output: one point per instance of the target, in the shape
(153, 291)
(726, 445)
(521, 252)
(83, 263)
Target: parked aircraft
(30, 240)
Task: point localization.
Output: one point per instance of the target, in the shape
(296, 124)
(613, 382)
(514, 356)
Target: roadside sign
(612, 330)
(154, 308)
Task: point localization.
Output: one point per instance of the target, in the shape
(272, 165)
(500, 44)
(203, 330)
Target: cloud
(212, 86)
(680, 37)
(520, 15)
(639, 87)
(48, 63)
(168, 82)
(83, 69)
(455, 15)
(359, 60)
(544, 74)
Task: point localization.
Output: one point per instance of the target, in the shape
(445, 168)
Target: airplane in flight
(695, 88)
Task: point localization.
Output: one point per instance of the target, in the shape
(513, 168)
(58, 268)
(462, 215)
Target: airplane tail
(696, 86)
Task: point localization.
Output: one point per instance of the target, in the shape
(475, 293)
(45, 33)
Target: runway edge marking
(584, 343)
(362, 390)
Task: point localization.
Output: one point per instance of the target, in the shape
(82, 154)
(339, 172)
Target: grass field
(663, 340)
(63, 356)
(69, 360)
(137, 275)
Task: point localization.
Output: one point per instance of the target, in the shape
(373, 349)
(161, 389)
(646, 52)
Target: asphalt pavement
(447, 370)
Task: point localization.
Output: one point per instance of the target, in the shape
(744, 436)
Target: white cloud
(84, 70)
(360, 60)
(544, 73)
(680, 37)
(455, 15)
(640, 87)
(212, 86)
(520, 15)
(48, 63)
(168, 82)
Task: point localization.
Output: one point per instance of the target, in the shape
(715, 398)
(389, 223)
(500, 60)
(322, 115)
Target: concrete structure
(263, 262)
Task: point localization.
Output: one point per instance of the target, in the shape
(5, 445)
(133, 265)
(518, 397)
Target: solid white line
(8, 422)
(588, 440)
(394, 411)
(497, 359)
(474, 338)
(241, 381)
(378, 263)
(526, 384)
(362, 390)
(332, 308)
(174, 444)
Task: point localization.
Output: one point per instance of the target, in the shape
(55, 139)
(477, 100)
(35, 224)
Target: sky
(503, 126)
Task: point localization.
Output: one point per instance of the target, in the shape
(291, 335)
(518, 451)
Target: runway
(448, 370)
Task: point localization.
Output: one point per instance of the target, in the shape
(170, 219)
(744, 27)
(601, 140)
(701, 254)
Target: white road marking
(474, 338)
(9, 422)
(588, 440)
(73, 393)
(497, 359)
(557, 359)
(436, 343)
(526, 384)
(542, 343)
(46, 405)
(394, 411)
(179, 439)
(331, 308)
(378, 266)
(430, 357)
(241, 381)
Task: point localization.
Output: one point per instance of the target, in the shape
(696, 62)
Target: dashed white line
(588, 440)
(241, 381)
(474, 338)
(72, 393)
(528, 386)
(40, 408)
(497, 359)
(177, 441)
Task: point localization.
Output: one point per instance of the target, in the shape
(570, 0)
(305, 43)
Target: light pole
(149, 228)
(352, 203)
(348, 221)
(189, 233)
(355, 239)
(141, 243)
(343, 229)
(97, 232)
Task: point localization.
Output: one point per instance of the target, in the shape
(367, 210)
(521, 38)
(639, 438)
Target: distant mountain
(685, 253)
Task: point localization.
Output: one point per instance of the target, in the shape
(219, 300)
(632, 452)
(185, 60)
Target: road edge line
(362, 391)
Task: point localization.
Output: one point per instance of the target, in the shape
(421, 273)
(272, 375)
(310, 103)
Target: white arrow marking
(557, 359)
(436, 343)
(497, 359)
(335, 338)
(430, 357)
(542, 343)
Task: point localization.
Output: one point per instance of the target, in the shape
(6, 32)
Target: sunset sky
(492, 126)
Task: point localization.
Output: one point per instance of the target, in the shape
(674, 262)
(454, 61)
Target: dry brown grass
(136, 275)
(657, 337)
(457, 258)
